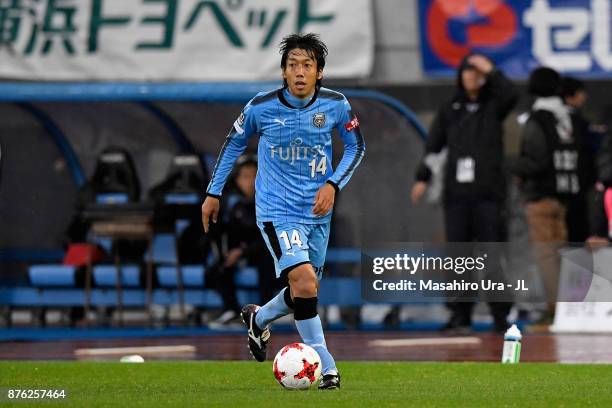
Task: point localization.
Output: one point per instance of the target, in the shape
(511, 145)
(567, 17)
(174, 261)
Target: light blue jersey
(295, 152)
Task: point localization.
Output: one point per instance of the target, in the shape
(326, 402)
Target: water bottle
(512, 346)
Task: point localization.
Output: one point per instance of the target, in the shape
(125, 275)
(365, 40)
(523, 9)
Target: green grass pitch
(250, 384)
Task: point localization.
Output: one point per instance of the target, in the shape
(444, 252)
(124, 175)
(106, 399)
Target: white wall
(397, 52)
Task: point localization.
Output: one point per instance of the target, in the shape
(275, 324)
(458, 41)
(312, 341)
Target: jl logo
(318, 120)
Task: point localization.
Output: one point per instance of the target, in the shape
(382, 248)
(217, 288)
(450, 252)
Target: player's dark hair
(311, 43)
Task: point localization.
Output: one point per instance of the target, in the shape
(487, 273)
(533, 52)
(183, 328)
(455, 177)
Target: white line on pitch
(135, 350)
(436, 341)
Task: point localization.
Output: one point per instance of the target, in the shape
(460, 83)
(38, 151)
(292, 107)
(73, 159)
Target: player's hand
(417, 191)
(481, 63)
(324, 200)
(232, 257)
(210, 209)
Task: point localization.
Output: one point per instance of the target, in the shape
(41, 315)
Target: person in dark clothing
(548, 169)
(241, 239)
(573, 92)
(178, 212)
(470, 126)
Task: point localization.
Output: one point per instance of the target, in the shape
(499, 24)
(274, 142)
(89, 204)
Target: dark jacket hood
(461, 94)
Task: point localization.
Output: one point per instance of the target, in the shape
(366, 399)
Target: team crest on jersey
(318, 120)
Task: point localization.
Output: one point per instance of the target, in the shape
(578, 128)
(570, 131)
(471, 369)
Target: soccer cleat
(258, 339)
(330, 382)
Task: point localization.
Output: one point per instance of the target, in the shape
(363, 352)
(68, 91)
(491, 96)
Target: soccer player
(295, 187)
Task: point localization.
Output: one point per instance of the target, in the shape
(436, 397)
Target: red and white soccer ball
(297, 366)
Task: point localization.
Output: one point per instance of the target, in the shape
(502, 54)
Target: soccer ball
(297, 366)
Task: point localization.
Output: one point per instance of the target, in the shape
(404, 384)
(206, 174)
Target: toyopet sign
(572, 36)
(176, 39)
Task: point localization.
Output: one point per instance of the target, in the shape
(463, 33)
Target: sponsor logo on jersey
(318, 120)
(352, 124)
(296, 152)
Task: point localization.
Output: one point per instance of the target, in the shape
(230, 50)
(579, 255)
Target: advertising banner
(183, 40)
(571, 36)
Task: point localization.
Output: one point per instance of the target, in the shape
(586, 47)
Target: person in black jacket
(470, 126)
(548, 169)
(241, 239)
(574, 94)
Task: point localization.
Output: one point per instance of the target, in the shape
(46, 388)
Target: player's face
(301, 73)
(245, 180)
(472, 80)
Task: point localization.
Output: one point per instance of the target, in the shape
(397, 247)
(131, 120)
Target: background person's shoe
(228, 319)
(457, 324)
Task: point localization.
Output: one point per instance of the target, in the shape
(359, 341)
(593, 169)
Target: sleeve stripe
(357, 158)
(239, 130)
(220, 158)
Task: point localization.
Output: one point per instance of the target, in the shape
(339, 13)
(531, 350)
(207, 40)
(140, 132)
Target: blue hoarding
(572, 36)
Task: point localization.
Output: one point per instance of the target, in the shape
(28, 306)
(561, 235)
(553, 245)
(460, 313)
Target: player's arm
(354, 150)
(235, 144)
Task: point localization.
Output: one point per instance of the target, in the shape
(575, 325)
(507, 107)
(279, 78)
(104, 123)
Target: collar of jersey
(284, 101)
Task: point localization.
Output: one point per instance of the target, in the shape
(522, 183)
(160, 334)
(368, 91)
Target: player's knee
(303, 282)
(304, 287)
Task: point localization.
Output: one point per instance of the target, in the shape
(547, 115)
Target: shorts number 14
(295, 238)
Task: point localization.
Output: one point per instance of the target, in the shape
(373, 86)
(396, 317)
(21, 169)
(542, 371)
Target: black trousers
(268, 284)
(577, 219)
(479, 220)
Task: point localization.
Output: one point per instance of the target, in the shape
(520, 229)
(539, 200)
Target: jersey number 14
(318, 168)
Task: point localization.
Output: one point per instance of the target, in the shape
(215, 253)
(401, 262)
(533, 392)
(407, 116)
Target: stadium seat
(163, 249)
(106, 276)
(106, 243)
(111, 198)
(247, 278)
(180, 198)
(52, 275)
(343, 255)
(193, 276)
(341, 291)
(247, 296)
